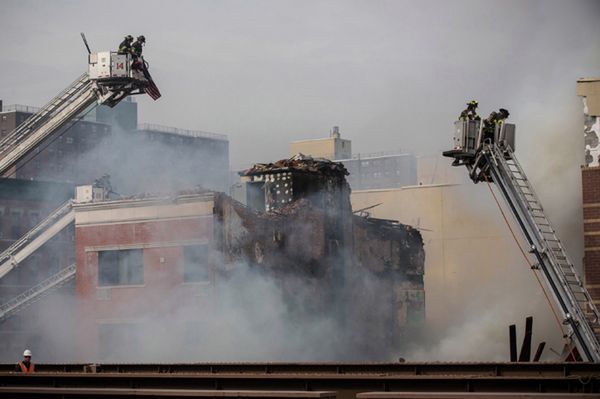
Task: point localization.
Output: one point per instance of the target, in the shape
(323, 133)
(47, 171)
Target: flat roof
(148, 127)
(582, 80)
(321, 139)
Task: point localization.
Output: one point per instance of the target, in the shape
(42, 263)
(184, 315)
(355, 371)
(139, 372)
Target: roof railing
(181, 132)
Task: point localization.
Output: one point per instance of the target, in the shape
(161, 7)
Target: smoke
(422, 62)
(247, 320)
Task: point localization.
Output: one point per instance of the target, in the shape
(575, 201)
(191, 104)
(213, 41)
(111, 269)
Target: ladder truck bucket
(465, 141)
(118, 75)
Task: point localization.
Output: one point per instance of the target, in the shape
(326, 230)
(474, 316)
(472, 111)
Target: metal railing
(181, 132)
(29, 109)
(30, 235)
(20, 108)
(36, 292)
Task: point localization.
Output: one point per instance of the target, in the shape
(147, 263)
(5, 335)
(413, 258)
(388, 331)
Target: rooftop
(29, 109)
(298, 163)
(181, 132)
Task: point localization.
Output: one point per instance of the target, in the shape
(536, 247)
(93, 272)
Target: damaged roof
(298, 163)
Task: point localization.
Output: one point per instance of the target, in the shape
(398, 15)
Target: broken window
(195, 263)
(124, 267)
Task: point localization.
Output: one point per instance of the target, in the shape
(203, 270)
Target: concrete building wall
(23, 204)
(332, 148)
(181, 157)
(61, 157)
(476, 280)
(384, 171)
(589, 90)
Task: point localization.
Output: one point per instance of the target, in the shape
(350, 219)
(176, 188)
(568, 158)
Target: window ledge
(101, 287)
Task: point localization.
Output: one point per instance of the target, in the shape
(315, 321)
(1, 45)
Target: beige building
(589, 90)
(476, 280)
(332, 147)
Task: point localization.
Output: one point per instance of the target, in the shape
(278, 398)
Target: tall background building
(589, 90)
(139, 158)
(366, 171)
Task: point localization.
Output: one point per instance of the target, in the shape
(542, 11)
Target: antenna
(86, 43)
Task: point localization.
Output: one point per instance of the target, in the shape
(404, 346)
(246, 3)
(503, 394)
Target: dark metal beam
(539, 351)
(512, 337)
(525, 355)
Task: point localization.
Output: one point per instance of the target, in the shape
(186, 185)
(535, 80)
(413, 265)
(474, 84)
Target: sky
(391, 74)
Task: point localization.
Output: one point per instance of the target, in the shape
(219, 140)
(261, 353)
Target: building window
(15, 224)
(195, 266)
(34, 218)
(125, 267)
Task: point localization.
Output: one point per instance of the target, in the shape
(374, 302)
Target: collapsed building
(150, 271)
(298, 225)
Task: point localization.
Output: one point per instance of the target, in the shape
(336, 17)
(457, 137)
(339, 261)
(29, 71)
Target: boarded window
(125, 267)
(195, 267)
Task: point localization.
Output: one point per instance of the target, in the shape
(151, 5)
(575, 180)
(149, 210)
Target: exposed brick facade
(161, 231)
(591, 228)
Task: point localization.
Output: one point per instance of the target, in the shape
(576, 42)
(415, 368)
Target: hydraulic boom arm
(493, 160)
(110, 78)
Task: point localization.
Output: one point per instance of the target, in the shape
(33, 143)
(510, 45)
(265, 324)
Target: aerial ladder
(491, 158)
(110, 78)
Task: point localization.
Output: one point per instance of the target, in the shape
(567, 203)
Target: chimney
(335, 132)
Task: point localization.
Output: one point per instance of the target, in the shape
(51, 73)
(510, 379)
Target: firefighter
(470, 113)
(136, 52)
(25, 366)
(489, 124)
(136, 47)
(125, 46)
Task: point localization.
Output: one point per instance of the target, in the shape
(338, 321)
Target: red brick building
(138, 262)
(152, 270)
(589, 90)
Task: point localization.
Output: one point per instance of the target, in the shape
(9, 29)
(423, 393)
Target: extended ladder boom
(494, 161)
(110, 79)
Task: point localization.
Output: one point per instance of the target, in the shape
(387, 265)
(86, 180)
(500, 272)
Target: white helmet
(27, 353)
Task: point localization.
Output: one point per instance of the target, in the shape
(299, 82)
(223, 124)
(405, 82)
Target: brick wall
(162, 242)
(591, 228)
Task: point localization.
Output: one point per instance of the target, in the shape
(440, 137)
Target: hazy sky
(391, 74)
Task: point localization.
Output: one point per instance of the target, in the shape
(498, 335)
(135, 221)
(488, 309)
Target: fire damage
(298, 227)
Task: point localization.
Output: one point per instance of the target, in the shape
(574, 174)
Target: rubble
(298, 163)
(323, 255)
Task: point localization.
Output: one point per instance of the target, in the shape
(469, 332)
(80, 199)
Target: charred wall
(388, 264)
(366, 274)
